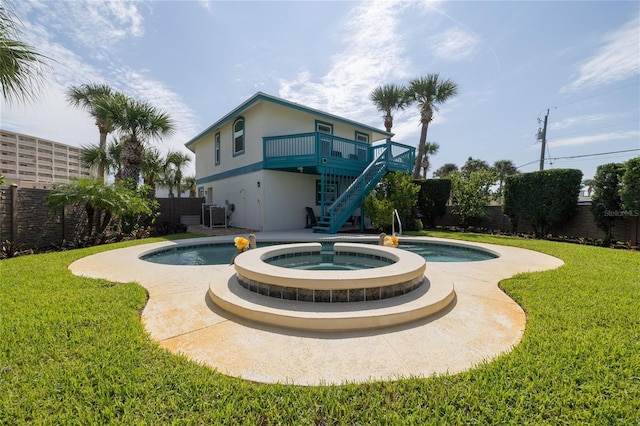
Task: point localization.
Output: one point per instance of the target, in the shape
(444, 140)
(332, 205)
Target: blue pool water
(219, 254)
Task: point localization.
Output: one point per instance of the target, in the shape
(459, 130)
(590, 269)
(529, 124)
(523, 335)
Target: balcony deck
(315, 150)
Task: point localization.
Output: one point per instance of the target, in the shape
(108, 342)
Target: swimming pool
(221, 253)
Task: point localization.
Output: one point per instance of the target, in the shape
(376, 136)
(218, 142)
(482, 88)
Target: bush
(542, 198)
(432, 199)
(471, 193)
(395, 191)
(606, 195)
(630, 191)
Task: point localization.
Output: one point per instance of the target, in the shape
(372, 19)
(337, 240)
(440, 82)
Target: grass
(73, 351)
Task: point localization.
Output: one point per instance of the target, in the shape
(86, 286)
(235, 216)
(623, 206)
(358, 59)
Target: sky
(512, 61)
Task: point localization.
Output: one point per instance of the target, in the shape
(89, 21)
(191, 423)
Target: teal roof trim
(232, 173)
(260, 96)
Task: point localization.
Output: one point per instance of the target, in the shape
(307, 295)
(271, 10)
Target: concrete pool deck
(482, 323)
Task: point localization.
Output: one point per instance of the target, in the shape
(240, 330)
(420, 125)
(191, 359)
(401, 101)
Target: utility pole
(542, 136)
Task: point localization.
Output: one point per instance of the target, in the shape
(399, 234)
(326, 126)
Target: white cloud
(617, 60)
(454, 45)
(97, 26)
(589, 139)
(579, 120)
(51, 117)
(372, 55)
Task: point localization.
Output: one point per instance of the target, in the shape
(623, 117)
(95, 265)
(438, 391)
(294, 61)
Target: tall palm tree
(473, 165)
(503, 169)
(88, 97)
(137, 122)
(153, 168)
(22, 68)
(430, 148)
(389, 98)
(177, 161)
(446, 170)
(114, 153)
(428, 92)
(190, 183)
(94, 157)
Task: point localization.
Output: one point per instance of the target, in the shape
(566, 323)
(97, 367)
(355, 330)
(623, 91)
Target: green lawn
(73, 351)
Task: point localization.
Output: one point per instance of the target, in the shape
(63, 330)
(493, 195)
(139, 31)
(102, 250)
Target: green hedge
(542, 198)
(606, 195)
(432, 199)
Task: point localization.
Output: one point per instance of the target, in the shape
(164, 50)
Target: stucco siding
(285, 197)
(244, 194)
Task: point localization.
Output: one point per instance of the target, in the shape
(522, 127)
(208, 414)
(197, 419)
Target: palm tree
(428, 92)
(153, 168)
(114, 153)
(445, 170)
(87, 97)
(503, 169)
(588, 183)
(137, 122)
(388, 98)
(177, 161)
(190, 183)
(21, 67)
(473, 165)
(430, 148)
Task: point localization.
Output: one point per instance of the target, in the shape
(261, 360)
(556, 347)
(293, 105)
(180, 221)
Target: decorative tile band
(330, 296)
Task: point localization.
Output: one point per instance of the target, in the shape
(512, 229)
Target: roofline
(260, 96)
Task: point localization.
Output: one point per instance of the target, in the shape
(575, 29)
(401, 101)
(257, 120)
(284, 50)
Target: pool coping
(482, 322)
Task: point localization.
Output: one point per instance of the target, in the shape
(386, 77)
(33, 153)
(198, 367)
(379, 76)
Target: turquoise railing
(352, 197)
(338, 161)
(315, 148)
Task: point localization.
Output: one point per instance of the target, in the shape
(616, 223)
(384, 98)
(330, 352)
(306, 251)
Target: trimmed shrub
(630, 191)
(606, 195)
(543, 198)
(432, 199)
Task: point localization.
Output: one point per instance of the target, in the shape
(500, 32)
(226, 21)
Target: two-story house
(268, 159)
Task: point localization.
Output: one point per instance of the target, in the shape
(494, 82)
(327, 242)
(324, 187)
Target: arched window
(238, 136)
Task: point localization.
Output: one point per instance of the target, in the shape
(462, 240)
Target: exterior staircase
(347, 203)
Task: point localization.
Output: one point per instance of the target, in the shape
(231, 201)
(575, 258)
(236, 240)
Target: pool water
(220, 254)
(328, 261)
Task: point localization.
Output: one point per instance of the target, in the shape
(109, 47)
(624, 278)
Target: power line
(598, 94)
(581, 156)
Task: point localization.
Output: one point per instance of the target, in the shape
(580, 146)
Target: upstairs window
(323, 127)
(238, 136)
(217, 148)
(362, 137)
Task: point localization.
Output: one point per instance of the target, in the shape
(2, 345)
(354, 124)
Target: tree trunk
(426, 115)
(103, 149)
(388, 122)
(420, 151)
(131, 160)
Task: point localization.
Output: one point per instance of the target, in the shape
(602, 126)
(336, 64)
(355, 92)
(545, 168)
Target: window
(323, 127)
(330, 192)
(238, 136)
(362, 137)
(217, 148)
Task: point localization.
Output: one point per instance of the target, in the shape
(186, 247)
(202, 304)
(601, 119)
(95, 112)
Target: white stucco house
(270, 159)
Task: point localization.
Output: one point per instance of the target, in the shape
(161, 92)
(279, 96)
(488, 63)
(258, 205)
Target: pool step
(429, 299)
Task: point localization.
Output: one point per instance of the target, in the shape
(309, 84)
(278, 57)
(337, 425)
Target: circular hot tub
(378, 287)
(351, 273)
